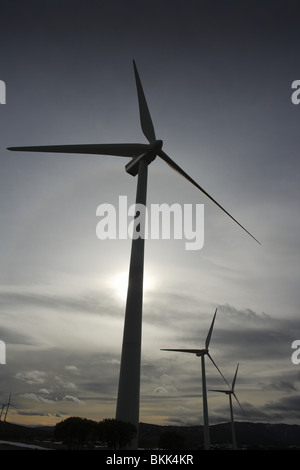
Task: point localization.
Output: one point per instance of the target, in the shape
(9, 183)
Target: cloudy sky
(217, 76)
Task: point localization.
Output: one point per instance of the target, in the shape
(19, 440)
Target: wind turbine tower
(141, 156)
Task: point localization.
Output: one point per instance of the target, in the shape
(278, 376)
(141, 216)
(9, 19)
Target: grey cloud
(73, 399)
(90, 302)
(285, 408)
(34, 377)
(12, 337)
(37, 413)
(38, 398)
(280, 385)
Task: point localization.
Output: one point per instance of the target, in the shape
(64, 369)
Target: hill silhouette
(249, 435)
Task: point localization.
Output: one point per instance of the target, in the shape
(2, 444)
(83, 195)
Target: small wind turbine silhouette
(141, 156)
(202, 353)
(231, 392)
(8, 404)
(2, 408)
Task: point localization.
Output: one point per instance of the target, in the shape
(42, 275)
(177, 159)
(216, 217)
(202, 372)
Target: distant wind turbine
(231, 392)
(202, 353)
(2, 409)
(141, 156)
(8, 404)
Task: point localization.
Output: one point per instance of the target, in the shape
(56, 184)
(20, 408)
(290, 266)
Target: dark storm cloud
(285, 408)
(257, 336)
(281, 385)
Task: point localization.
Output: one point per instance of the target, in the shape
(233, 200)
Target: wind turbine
(2, 408)
(141, 156)
(8, 404)
(202, 353)
(231, 392)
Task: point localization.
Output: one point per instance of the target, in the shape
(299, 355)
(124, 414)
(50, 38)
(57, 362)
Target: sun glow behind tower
(119, 285)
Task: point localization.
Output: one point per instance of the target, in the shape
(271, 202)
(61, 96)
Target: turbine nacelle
(202, 352)
(154, 148)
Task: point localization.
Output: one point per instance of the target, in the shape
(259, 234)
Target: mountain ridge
(249, 435)
(254, 435)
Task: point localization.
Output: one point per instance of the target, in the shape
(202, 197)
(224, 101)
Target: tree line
(81, 433)
(78, 433)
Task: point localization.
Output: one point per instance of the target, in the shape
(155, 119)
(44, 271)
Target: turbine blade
(214, 390)
(218, 369)
(192, 351)
(119, 150)
(210, 330)
(177, 168)
(239, 404)
(234, 378)
(145, 118)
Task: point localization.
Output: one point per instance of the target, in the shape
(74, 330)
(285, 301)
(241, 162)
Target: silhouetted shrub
(76, 432)
(117, 434)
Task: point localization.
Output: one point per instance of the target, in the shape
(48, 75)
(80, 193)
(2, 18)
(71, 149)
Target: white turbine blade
(218, 369)
(192, 351)
(177, 168)
(210, 330)
(234, 378)
(145, 118)
(119, 150)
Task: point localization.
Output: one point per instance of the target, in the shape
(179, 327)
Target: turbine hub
(201, 352)
(158, 144)
(155, 147)
(133, 166)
